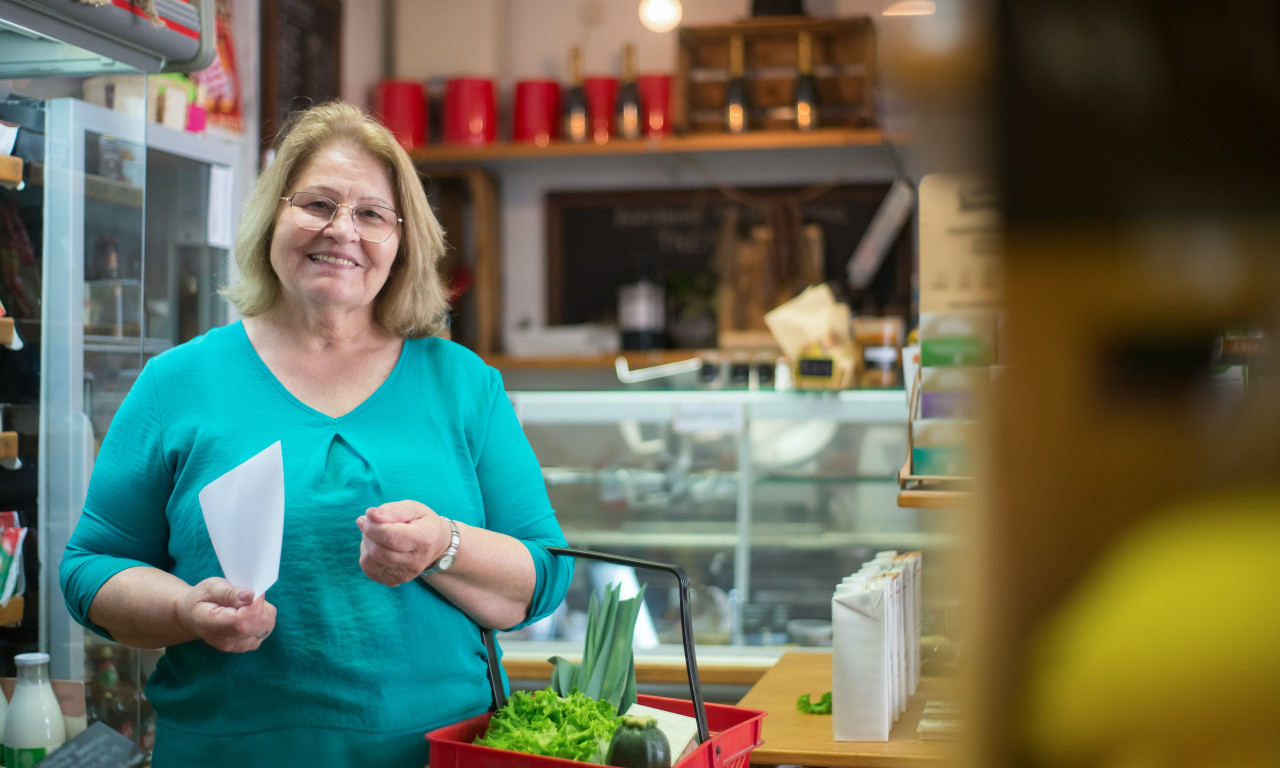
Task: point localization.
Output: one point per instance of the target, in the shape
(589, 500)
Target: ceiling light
(660, 15)
(910, 8)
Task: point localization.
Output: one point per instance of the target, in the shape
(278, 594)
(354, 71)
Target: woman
(414, 508)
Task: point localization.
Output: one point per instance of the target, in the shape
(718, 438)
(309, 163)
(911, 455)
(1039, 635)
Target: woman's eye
(373, 214)
(320, 206)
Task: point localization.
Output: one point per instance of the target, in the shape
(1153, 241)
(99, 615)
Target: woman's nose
(346, 224)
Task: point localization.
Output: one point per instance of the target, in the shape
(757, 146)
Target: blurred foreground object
(1166, 653)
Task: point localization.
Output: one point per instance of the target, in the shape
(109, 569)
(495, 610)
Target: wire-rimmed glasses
(373, 223)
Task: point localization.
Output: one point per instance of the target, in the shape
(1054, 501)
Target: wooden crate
(844, 67)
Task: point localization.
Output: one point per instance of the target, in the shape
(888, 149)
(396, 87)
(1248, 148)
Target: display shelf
(757, 141)
(927, 492)
(814, 540)
(99, 188)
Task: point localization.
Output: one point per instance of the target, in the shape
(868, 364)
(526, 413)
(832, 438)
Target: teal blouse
(355, 673)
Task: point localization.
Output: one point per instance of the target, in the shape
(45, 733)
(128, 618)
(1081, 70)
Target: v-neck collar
(292, 398)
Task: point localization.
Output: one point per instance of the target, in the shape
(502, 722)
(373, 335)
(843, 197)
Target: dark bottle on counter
(627, 117)
(735, 97)
(575, 101)
(806, 92)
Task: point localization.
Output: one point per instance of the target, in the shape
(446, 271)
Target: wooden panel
(301, 47)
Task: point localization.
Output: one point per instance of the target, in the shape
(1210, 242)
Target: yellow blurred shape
(1168, 653)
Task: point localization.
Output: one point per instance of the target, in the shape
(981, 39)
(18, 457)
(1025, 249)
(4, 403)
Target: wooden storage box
(844, 67)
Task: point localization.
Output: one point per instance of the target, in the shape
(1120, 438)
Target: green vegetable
(608, 668)
(821, 707)
(639, 743)
(574, 727)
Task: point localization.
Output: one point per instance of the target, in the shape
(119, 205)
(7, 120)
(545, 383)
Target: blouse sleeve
(515, 499)
(123, 522)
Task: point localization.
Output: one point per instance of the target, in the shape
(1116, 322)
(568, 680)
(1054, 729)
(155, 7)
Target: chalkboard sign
(600, 240)
(301, 58)
(97, 746)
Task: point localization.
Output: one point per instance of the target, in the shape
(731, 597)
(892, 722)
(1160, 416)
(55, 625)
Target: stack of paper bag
(875, 616)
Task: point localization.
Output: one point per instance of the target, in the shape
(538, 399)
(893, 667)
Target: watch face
(446, 561)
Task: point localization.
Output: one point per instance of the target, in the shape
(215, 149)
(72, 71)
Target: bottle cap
(31, 659)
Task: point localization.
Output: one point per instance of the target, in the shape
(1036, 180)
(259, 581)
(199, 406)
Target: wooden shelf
(825, 138)
(926, 492)
(584, 362)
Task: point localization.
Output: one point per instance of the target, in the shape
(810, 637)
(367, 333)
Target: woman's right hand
(225, 616)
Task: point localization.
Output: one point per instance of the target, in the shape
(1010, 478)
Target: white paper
(244, 512)
(220, 207)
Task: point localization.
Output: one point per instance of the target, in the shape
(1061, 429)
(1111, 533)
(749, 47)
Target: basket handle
(686, 632)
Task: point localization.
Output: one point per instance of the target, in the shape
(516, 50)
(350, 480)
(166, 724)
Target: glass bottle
(627, 118)
(735, 99)
(806, 91)
(111, 702)
(575, 101)
(33, 727)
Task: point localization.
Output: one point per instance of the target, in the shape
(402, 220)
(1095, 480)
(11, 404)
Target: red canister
(536, 116)
(470, 111)
(602, 93)
(402, 107)
(655, 104)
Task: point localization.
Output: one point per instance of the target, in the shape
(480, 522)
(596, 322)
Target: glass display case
(766, 500)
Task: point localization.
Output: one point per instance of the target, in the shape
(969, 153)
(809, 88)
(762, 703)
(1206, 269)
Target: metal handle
(686, 631)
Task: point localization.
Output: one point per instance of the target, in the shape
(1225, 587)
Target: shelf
(825, 138)
(99, 188)
(920, 492)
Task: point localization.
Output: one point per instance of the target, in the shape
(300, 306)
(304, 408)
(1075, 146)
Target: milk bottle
(33, 726)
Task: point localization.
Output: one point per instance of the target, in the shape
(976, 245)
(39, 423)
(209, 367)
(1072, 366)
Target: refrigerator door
(138, 233)
(91, 342)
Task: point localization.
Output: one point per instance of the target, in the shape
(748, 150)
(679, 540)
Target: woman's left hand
(399, 540)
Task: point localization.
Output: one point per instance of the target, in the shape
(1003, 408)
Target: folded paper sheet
(244, 512)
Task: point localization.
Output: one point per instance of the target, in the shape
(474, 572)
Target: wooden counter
(651, 672)
(791, 737)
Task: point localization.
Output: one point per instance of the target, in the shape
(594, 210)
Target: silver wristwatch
(450, 554)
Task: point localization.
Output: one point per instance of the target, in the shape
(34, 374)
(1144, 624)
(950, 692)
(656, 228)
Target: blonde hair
(414, 301)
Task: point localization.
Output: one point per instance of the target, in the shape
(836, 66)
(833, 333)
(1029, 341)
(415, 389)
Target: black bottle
(627, 117)
(806, 92)
(575, 101)
(735, 99)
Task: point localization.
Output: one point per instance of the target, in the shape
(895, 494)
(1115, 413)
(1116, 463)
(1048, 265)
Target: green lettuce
(573, 727)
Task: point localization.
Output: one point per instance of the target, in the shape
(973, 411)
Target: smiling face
(332, 269)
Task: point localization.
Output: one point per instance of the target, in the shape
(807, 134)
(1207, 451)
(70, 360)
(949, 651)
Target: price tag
(97, 746)
(726, 418)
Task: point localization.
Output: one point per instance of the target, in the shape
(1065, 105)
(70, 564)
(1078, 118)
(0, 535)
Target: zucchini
(639, 743)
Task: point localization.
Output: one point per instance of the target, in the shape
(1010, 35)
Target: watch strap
(450, 552)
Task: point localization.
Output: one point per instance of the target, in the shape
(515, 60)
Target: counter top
(791, 737)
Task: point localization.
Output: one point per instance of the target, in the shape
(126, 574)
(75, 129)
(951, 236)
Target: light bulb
(660, 15)
(910, 8)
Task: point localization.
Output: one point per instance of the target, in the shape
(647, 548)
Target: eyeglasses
(374, 223)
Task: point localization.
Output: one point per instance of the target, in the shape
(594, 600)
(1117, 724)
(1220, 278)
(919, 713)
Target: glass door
(91, 324)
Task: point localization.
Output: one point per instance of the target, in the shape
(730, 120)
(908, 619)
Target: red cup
(536, 112)
(470, 111)
(402, 107)
(655, 105)
(602, 93)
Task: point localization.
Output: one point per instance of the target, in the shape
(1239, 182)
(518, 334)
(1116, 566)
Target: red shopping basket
(726, 735)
